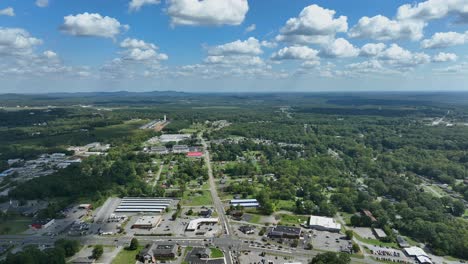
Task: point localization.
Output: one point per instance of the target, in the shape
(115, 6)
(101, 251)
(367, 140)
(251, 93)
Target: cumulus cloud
(136, 5)
(399, 56)
(139, 50)
(9, 11)
(444, 57)
(42, 3)
(295, 53)
(251, 28)
(382, 28)
(434, 9)
(207, 12)
(251, 46)
(372, 49)
(17, 41)
(235, 60)
(444, 40)
(94, 24)
(340, 48)
(313, 25)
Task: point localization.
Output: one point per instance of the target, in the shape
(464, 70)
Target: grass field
(14, 225)
(216, 253)
(292, 219)
(375, 242)
(126, 256)
(285, 205)
(197, 199)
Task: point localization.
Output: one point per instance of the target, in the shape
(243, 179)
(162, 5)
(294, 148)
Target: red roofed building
(196, 154)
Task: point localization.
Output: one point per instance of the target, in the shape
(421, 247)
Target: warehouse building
(147, 222)
(323, 224)
(245, 202)
(195, 224)
(144, 205)
(418, 254)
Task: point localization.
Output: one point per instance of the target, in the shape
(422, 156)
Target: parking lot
(256, 257)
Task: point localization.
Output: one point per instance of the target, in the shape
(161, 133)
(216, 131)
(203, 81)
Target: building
(247, 229)
(195, 224)
(143, 205)
(147, 222)
(244, 202)
(85, 206)
(379, 233)
(174, 137)
(285, 232)
(153, 252)
(369, 214)
(159, 150)
(42, 223)
(323, 224)
(402, 242)
(418, 254)
(180, 149)
(206, 213)
(196, 154)
(83, 260)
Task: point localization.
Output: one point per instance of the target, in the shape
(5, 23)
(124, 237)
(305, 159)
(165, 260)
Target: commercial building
(196, 154)
(153, 252)
(195, 224)
(379, 233)
(285, 232)
(144, 205)
(323, 224)
(418, 254)
(247, 229)
(180, 149)
(147, 222)
(245, 202)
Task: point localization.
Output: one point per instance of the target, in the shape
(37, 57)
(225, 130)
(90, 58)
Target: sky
(233, 45)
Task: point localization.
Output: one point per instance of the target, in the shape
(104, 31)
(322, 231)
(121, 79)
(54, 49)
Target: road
(158, 175)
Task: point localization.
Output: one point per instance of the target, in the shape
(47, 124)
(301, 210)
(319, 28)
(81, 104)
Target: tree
(70, 247)
(356, 248)
(331, 258)
(349, 234)
(98, 250)
(133, 244)
(458, 208)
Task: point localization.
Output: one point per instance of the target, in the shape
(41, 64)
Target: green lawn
(126, 256)
(197, 199)
(292, 219)
(216, 253)
(287, 205)
(14, 225)
(375, 242)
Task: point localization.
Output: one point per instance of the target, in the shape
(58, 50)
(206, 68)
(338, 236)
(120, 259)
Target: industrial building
(147, 222)
(419, 254)
(285, 232)
(195, 224)
(245, 202)
(323, 224)
(144, 205)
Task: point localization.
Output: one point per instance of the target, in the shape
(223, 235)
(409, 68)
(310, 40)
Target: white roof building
(194, 224)
(419, 254)
(324, 224)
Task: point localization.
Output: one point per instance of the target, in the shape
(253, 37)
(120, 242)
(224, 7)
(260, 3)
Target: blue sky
(232, 45)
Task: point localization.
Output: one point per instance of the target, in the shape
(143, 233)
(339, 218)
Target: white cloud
(207, 12)
(9, 11)
(295, 53)
(313, 25)
(340, 48)
(372, 49)
(445, 39)
(251, 28)
(87, 24)
(398, 56)
(434, 9)
(50, 54)
(16, 41)
(235, 60)
(42, 3)
(251, 46)
(139, 50)
(444, 57)
(136, 5)
(382, 28)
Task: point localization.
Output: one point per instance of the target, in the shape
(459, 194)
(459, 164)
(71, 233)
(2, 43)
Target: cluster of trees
(56, 255)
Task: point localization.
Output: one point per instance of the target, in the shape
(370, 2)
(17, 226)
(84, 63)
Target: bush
(98, 250)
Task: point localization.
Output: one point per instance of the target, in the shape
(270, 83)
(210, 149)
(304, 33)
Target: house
(42, 223)
(285, 232)
(247, 229)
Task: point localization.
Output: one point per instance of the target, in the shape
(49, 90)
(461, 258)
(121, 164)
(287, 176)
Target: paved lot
(364, 232)
(256, 257)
